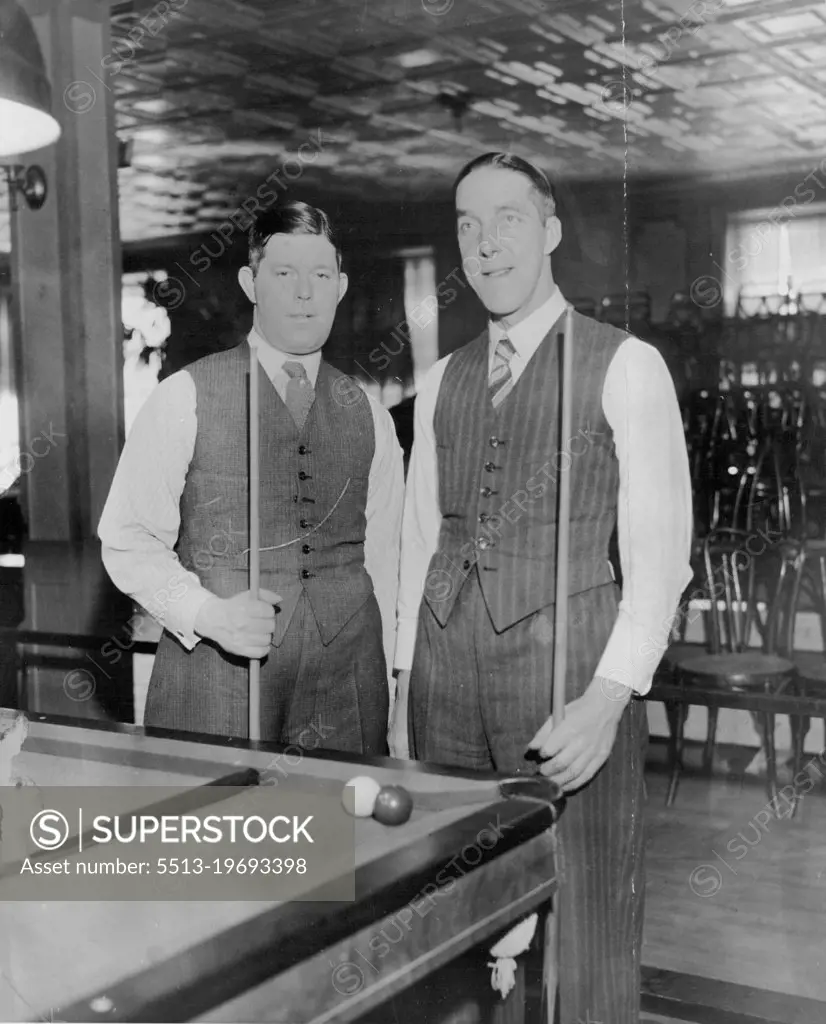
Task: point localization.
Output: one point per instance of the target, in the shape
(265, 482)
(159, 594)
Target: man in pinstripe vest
(478, 568)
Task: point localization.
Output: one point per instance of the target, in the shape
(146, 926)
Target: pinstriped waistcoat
(312, 498)
(498, 472)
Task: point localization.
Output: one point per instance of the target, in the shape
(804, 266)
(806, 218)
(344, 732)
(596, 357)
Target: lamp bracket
(29, 182)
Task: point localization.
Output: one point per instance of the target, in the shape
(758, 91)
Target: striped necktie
(501, 379)
(300, 392)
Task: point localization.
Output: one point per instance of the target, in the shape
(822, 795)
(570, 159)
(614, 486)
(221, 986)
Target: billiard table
(426, 893)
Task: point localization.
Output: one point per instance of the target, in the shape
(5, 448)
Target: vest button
(483, 517)
(306, 574)
(486, 492)
(306, 549)
(466, 564)
(303, 524)
(484, 543)
(303, 449)
(496, 441)
(304, 476)
(490, 467)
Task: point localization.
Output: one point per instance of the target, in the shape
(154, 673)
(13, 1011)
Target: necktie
(300, 393)
(501, 379)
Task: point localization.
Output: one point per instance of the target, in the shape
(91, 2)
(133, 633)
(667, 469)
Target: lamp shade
(26, 122)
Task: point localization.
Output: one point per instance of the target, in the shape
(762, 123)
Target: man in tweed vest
(476, 602)
(175, 529)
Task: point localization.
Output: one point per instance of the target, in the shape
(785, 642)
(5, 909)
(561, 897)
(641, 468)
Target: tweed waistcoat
(498, 471)
(312, 498)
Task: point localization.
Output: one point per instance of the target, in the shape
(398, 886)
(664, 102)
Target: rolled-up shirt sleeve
(141, 520)
(654, 511)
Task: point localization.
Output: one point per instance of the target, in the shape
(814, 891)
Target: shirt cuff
(626, 659)
(405, 644)
(179, 614)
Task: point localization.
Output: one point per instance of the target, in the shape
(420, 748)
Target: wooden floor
(737, 894)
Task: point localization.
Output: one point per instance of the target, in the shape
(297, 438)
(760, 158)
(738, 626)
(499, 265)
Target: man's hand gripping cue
(242, 625)
(574, 750)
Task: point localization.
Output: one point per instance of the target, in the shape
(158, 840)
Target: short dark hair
(291, 218)
(511, 162)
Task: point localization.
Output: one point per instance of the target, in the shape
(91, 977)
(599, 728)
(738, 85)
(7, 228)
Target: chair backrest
(750, 579)
(706, 425)
(767, 499)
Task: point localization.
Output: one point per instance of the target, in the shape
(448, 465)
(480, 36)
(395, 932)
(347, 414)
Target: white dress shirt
(141, 519)
(654, 503)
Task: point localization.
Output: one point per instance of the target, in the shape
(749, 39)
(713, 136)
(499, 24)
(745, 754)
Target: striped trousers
(477, 698)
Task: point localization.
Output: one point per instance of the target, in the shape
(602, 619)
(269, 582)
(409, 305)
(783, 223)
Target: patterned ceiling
(387, 98)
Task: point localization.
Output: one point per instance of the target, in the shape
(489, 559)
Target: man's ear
(343, 281)
(247, 282)
(553, 234)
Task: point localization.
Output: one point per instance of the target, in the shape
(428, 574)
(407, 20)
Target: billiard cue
(255, 543)
(563, 533)
(563, 524)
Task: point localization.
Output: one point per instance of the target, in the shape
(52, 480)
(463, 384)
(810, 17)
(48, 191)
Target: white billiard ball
(364, 800)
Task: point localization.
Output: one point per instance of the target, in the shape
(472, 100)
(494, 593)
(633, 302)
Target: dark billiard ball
(394, 805)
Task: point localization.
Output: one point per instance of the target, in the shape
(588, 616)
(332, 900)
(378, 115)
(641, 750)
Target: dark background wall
(654, 236)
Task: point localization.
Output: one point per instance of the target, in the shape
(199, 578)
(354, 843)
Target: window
(770, 262)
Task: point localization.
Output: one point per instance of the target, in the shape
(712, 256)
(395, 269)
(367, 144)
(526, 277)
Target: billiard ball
(394, 805)
(363, 800)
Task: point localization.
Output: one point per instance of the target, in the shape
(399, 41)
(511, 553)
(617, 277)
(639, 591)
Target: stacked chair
(757, 451)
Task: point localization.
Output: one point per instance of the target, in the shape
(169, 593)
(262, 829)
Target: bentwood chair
(810, 585)
(749, 583)
(810, 461)
(810, 666)
(714, 443)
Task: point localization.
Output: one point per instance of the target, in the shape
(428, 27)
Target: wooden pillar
(66, 270)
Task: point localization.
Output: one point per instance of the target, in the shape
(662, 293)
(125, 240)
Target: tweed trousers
(339, 691)
(477, 698)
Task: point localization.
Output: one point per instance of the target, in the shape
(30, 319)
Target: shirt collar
(273, 359)
(527, 335)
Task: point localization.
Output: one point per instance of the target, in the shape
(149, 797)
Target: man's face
(504, 239)
(296, 290)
